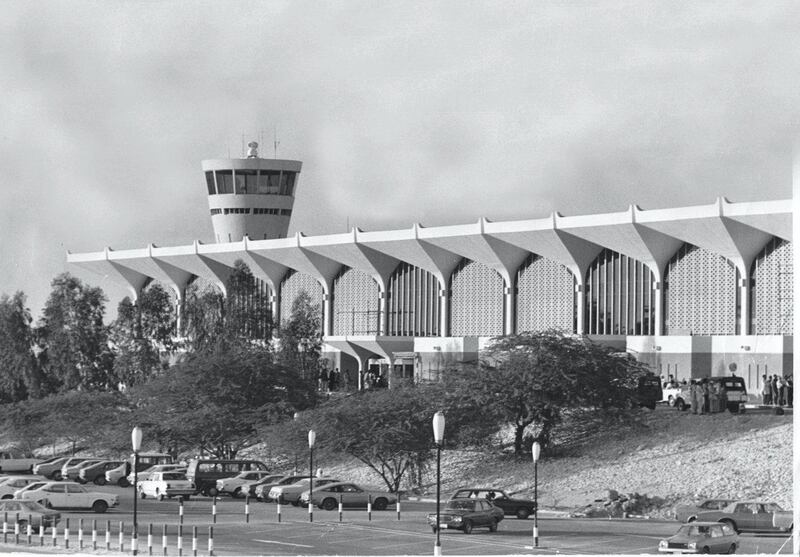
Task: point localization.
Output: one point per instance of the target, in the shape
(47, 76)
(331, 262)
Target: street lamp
(536, 449)
(296, 415)
(312, 438)
(136, 441)
(438, 437)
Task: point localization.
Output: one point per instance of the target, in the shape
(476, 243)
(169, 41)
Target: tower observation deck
(251, 196)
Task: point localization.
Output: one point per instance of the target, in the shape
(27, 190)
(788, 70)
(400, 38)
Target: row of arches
(701, 295)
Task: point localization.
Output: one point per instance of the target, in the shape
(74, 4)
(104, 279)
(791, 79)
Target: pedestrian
(766, 391)
(789, 390)
(694, 398)
(723, 397)
(705, 394)
(774, 389)
(323, 380)
(713, 398)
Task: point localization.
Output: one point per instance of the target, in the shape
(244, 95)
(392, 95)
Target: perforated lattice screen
(773, 290)
(292, 285)
(545, 296)
(413, 302)
(356, 305)
(476, 300)
(700, 293)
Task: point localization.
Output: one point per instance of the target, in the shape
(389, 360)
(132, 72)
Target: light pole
(296, 415)
(438, 437)
(536, 449)
(312, 438)
(136, 441)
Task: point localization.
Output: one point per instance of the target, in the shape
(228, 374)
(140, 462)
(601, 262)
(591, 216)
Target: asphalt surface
(355, 534)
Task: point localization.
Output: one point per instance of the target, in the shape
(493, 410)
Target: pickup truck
(10, 463)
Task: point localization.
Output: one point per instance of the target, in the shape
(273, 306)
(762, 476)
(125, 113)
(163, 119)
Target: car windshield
(693, 531)
(174, 476)
(458, 505)
(772, 507)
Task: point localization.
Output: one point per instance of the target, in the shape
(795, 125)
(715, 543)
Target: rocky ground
(666, 456)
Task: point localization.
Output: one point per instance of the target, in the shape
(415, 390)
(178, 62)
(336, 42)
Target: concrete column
(444, 312)
(510, 299)
(744, 296)
(275, 306)
(658, 299)
(384, 319)
(327, 317)
(180, 308)
(580, 289)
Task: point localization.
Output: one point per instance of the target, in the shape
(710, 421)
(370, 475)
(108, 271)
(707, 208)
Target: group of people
(707, 397)
(777, 390)
(332, 380)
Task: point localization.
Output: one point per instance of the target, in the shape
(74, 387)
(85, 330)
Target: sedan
(71, 495)
(291, 493)
(465, 514)
(516, 506)
(702, 537)
(25, 512)
(685, 513)
(10, 484)
(746, 516)
(249, 489)
(351, 495)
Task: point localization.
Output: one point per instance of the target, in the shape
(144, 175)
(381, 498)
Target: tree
(21, 375)
(532, 378)
(217, 400)
(73, 338)
(302, 329)
(141, 333)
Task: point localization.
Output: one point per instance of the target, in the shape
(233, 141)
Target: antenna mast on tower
(275, 142)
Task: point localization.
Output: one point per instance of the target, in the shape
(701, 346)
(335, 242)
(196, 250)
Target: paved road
(383, 535)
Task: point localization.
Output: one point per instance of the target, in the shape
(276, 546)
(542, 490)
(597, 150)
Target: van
(205, 472)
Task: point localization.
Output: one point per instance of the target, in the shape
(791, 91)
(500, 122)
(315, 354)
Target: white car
(71, 495)
(147, 472)
(233, 485)
(166, 484)
(10, 484)
(291, 493)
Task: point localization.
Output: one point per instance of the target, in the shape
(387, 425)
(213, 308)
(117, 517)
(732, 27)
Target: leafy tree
(532, 378)
(73, 338)
(141, 333)
(21, 376)
(302, 329)
(217, 400)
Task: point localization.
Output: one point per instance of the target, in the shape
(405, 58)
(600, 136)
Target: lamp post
(296, 415)
(312, 438)
(536, 449)
(438, 437)
(136, 441)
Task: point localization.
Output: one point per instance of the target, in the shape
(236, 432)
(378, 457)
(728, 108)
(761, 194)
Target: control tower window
(287, 183)
(268, 182)
(212, 190)
(238, 179)
(249, 176)
(224, 181)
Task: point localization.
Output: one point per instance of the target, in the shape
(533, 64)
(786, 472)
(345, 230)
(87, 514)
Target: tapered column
(444, 312)
(658, 309)
(510, 300)
(580, 291)
(327, 314)
(744, 296)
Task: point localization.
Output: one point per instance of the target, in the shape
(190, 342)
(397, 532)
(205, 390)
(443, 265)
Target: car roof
(480, 489)
(703, 523)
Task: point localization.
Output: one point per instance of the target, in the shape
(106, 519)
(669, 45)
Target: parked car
(61, 473)
(249, 489)
(688, 513)
(147, 472)
(205, 472)
(11, 463)
(750, 516)
(72, 472)
(10, 484)
(166, 484)
(517, 506)
(290, 493)
(33, 485)
(96, 473)
(262, 490)
(702, 537)
(71, 495)
(25, 512)
(465, 514)
(327, 497)
(49, 467)
(232, 485)
(120, 475)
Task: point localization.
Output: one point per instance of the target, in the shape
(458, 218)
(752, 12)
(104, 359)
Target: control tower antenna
(275, 142)
(242, 145)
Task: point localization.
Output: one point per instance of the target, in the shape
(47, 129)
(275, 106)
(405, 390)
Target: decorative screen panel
(773, 289)
(476, 300)
(356, 304)
(700, 293)
(292, 285)
(413, 302)
(545, 296)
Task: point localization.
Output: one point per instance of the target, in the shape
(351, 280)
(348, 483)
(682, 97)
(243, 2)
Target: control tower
(251, 196)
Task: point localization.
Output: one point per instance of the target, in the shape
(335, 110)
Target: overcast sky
(402, 112)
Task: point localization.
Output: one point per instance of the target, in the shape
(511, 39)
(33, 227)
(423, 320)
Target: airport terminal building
(693, 291)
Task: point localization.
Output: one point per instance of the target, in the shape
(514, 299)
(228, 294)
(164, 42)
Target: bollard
(164, 539)
(247, 509)
(80, 533)
(5, 527)
(310, 509)
(16, 528)
(180, 540)
(122, 536)
(211, 541)
(279, 507)
(398, 507)
(55, 535)
(28, 532)
(94, 534)
(194, 541)
(214, 510)
(369, 507)
(41, 534)
(340, 507)
(150, 539)
(108, 535)
(180, 511)
(66, 535)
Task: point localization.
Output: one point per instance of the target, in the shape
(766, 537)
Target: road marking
(283, 543)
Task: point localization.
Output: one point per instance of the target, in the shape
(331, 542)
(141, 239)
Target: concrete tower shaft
(251, 196)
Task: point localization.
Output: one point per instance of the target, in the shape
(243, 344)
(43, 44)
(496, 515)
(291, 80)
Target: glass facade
(224, 181)
(265, 182)
(212, 190)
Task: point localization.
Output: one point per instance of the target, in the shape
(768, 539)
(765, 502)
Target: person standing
(766, 391)
(704, 396)
(774, 389)
(789, 390)
(694, 397)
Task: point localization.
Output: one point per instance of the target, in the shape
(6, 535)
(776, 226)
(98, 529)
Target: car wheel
(732, 549)
(212, 492)
(328, 504)
(467, 527)
(142, 495)
(237, 493)
(123, 482)
(691, 519)
(493, 526)
(100, 506)
(671, 400)
(680, 404)
(160, 496)
(706, 550)
(57, 477)
(48, 505)
(100, 480)
(522, 513)
(22, 525)
(732, 524)
(380, 504)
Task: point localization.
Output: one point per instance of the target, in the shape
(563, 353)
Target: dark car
(702, 537)
(750, 516)
(517, 506)
(97, 472)
(25, 512)
(465, 514)
(688, 513)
